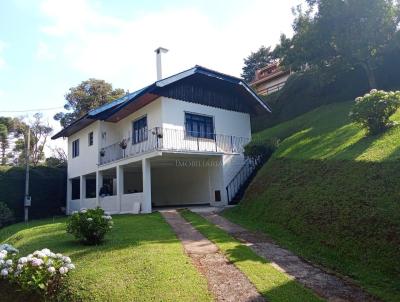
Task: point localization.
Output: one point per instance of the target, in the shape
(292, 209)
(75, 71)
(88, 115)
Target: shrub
(6, 215)
(42, 271)
(258, 150)
(89, 226)
(373, 110)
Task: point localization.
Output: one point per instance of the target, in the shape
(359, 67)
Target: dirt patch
(225, 281)
(323, 283)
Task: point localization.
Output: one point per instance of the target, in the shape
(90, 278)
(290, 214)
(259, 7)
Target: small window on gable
(90, 139)
(75, 148)
(140, 131)
(197, 125)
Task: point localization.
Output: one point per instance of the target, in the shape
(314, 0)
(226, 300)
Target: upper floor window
(75, 148)
(90, 139)
(140, 131)
(197, 125)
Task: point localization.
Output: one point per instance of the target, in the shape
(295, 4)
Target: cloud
(121, 50)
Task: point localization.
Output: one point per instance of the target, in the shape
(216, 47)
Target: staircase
(237, 186)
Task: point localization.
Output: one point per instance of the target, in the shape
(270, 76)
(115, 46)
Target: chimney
(158, 52)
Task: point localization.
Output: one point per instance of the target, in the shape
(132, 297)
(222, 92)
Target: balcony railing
(165, 139)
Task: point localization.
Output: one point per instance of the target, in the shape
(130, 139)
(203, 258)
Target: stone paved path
(225, 281)
(324, 284)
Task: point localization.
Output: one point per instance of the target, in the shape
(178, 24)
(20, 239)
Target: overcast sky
(48, 46)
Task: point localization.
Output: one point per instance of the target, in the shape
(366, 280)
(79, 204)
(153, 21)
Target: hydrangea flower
(4, 272)
(63, 270)
(51, 269)
(36, 262)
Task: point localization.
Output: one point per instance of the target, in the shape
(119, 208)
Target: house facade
(179, 141)
(270, 79)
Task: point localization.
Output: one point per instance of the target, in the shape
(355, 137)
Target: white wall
(87, 160)
(180, 185)
(225, 121)
(115, 132)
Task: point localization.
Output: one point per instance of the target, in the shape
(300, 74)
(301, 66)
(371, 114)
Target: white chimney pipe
(158, 52)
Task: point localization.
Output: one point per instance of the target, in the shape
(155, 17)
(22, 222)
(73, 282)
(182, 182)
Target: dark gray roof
(190, 85)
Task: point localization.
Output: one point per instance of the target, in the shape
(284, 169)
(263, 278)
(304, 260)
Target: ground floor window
(76, 188)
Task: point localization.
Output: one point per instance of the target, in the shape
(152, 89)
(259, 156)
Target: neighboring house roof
(198, 85)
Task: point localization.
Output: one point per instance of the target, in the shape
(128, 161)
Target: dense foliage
(87, 95)
(373, 110)
(42, 272)
(256, 60)
(47, 189)
(342, 35)
(261, 150)
(89, 226)
(6, 215)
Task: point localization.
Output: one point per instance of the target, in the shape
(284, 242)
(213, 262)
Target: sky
(48, 46)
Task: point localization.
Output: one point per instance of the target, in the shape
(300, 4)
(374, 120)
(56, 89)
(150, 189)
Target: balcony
(175, 140)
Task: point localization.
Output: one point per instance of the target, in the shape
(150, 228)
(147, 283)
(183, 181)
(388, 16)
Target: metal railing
(166, 139)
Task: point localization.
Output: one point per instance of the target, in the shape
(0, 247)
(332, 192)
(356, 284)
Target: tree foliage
(341, 34)
(87, 95)
(256, 60)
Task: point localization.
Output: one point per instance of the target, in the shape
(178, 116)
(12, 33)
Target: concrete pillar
(120, 185)
(99, 184)
(69, 197)
(146, 171)
(216, 182)
(82, 190)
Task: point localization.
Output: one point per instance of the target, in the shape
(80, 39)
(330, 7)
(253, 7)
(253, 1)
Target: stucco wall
(225, 121)
(87, 160)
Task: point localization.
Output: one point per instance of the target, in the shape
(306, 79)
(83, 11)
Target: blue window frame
(140, 131)
(198, 125)
(75, 148)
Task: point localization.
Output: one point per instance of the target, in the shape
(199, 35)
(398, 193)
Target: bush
(373, 110)
(89, 226)
(257, 150)
(42, 271)
(6, 215)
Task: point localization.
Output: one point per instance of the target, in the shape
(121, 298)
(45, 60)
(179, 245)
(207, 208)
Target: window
(199, 125)
(75, 148)
(139, 132)
(90, 139)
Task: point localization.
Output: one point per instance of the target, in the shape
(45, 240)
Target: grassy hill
(331, 194)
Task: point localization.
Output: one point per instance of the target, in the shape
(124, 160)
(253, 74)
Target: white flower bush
(89, 226)
(42, 271)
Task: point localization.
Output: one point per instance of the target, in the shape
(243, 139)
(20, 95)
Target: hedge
(47, 189)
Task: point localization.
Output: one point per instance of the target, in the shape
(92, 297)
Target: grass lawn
(331, 195)
(141, 260)
(272, 284)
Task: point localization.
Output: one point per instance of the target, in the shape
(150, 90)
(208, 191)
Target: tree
(87, 95)
(341, 34)
(6, 127)
(57, 159)
(39, 134)
(256, 60)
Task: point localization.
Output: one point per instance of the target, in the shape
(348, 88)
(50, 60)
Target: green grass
(141, 260)
(327, 133)
(331, 195)
(272, 284)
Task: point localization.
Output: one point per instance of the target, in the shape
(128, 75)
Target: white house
(178, 141)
